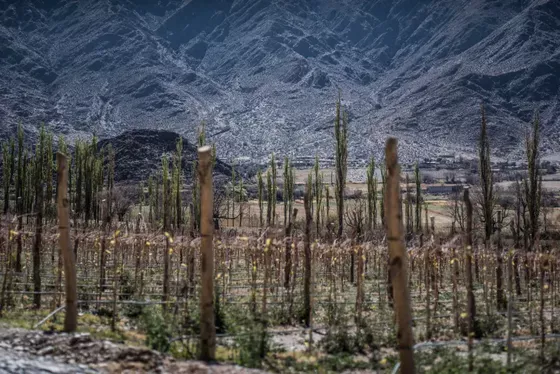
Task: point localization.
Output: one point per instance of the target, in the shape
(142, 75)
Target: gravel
(24, 351)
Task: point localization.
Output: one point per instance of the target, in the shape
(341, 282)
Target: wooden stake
(398, 258)
(71, 317)
(207, 325)
(471, 307)
(307, 256)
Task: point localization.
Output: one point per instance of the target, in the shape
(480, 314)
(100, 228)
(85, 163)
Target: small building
(444, 189)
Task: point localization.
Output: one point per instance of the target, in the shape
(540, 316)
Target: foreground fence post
(207, 324)
(398, 258)
(471, 306)
(71, 318)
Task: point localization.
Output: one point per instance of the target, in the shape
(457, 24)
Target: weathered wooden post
(207, 325)
(398, 258)
(168, 240)
(71, 317)
(433, 224)
(307, 255)
(471, 306)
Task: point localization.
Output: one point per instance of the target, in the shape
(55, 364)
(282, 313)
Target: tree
(318, 192)
(487, 202)
(486, 183)
(269, 198)
(288, 193)
(408, 207)
(20, 182)
(274, 188)
(418, 181)
(260, 189)
(371, 195)
(40, 173)
(533, 182)
(6, 163)
(177, 178)
(341, 136)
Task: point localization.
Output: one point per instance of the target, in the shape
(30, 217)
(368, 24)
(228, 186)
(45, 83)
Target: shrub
(253, 343)
(157, 329)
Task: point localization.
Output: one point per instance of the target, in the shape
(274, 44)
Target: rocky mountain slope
(138, 154)
(265, 74)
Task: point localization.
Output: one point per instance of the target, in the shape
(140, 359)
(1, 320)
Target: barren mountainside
(264, 74)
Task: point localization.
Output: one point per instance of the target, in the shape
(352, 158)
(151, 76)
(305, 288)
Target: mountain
(138, 154)
(265, 74)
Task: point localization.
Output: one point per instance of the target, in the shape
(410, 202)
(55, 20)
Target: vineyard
(281, 273)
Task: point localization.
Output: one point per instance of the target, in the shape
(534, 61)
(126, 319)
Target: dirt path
(12, 361)
(24, 351)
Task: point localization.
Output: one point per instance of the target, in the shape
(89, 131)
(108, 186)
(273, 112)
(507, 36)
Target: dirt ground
(24, 351)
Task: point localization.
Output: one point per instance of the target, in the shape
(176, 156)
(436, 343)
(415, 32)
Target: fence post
(471, 306)
(71, 317)
(398, 258)
(207, 325)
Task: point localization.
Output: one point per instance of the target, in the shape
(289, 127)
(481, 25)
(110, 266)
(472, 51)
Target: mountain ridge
(264, 74)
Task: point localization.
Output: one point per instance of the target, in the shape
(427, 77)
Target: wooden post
(455, 275)
(307, 256)
(71, 317)
(471, 306)
(433, 224)
(509, 260)
(166, 227)
(398, 258)
(500, 297)
(207, 325)
(360, 285)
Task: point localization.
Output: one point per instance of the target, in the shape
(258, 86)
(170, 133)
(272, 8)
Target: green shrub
(253, 343)
(157, 329)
